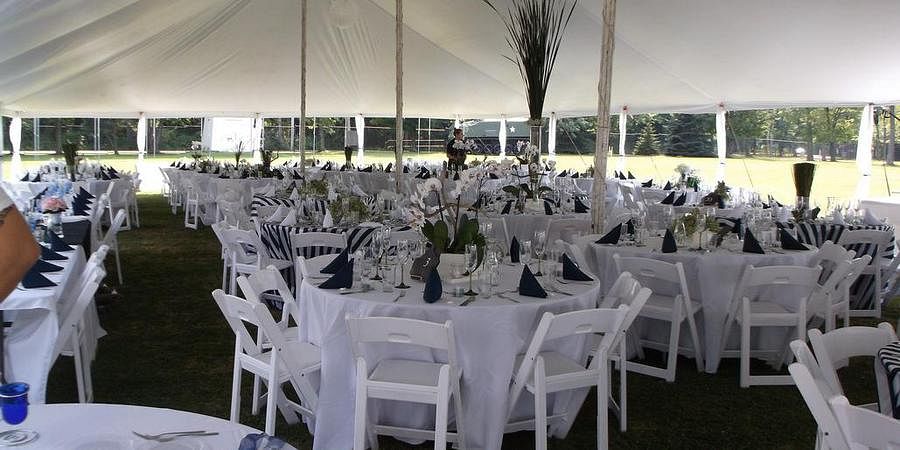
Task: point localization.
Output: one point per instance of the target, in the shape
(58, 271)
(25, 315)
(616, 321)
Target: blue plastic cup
(14, 402)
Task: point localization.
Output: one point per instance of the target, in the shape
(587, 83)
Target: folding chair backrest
(831, 282)
(97, 258)
(114, 227)
(804, 356)
(567, 229)
(262, 282)
(238, 312)
(649, 272)
(623, 288)
(835, 348)
(818, 406)
(393, 330)
(91, 281)
(829, 256)
(335, 241)
(242, 244)
(856, 268)
(866, 242)
(864, 428)
(805, 278)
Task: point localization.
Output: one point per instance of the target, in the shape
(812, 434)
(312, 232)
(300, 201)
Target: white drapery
(256, 133)
(864, 151)
(502, 136)
(456, 122)
(551, 138)
(15, 135)
(720, 142)
(142, 133)
(623, 129)
(360, 138)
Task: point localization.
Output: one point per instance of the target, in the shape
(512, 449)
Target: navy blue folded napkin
(216, 172)
(43, 266)
(57, 244)
(669, 199)
(80, 212)
(245, 175)
(680, 200)
(563, 173)
(342, 279)
(103, 175)
(529, 286)
(621, 176)
(788, 242)
(751, 245)
(580, 207)
(615, 174)
(572, 272)
(84, 193)
(630, 176)
(433, 287)
(26, 177)
(668, 244)
(37, 178)
(336, 264)
(648, 183)
(548, 209)
(612, 237)
(258, 441)
(389, 167)
(814, 213)
(223, 176)
(405, 169)
(50, 255)
(79, 203)
(507, 207)
(456, 176)
(493, 176)
(575, 175)
(514, 250)
(668, 186)
(629, 226)
(367, 169)
(173, 164)
(34, 279)
(40, 195)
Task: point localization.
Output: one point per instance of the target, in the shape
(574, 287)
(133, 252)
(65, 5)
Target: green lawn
(765, 175)
(168, 346)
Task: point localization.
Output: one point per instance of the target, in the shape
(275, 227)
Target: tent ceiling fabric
(116, 58)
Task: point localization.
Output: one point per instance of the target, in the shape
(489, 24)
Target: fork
(170, 436)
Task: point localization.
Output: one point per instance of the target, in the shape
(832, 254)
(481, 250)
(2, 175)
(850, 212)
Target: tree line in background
(828, 132)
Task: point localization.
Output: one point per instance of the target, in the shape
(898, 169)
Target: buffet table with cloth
(711, 278)
(99, 426)
(862, 293)
(489, 333)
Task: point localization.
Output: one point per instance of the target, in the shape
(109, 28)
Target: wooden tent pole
(604, 88)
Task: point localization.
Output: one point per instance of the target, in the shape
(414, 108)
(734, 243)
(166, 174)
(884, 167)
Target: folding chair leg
(540, 407)
(623, 393)
(254, 408)
(79, 368)
(118, 265)
(745, 347)
(236, 390)
(603, 411)
(359, 417)
(272, 390)
(674, 337)
(460, 428)
(440, 420)
(695, 340)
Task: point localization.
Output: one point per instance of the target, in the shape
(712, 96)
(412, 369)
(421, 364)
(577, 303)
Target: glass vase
(536, 127)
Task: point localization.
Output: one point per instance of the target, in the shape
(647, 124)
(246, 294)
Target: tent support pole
(398, 124)
(604, 88)
(303, 87)
(2, 150)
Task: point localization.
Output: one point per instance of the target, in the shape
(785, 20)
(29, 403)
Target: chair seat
(769, 313)
(660, 307)
(419, 373)
(554, 364)
(308, 356)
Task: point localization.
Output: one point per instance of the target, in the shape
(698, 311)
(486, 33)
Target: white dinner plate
(182, 443)
(103, 442)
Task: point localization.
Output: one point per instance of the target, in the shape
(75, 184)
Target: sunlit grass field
(769, 176)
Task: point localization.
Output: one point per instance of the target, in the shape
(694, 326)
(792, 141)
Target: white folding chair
(334, 242)
(165, 186)
(840, 298)
(864, 428)
(546, 372)
(111, 240)
(625, 291)
(218, 229)
(835, 348)
(827, 297)
(872, 243)
(96, 218)
(829, 434)
(765, 311)
(567, 229)
(406, 380)
(69, 336)
(243, 247)
(118, 193)
(670, 302)
(282, 364)
(191, 203)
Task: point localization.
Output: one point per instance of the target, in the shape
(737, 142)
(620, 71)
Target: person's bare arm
(18, 250)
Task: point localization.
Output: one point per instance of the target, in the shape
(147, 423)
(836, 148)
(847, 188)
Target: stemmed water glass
(403, 254)
(471, 265)
(540, 240)
(525, 256)
(378, 245)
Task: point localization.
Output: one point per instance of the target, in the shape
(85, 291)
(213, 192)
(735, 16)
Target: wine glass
(540, 240)
(471, 265)
(525, 256)
(402, 257)
(377, 252)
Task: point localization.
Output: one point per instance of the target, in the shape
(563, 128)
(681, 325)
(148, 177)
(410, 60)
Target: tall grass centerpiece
(803, 180)
(534, 32)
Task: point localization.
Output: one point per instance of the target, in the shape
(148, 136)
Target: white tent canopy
(116, 58)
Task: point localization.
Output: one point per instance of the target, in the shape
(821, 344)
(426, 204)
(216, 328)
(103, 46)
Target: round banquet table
(109, 427)
(489, 333)
(711, 278)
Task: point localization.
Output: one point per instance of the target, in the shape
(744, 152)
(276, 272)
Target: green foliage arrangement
(466, 233)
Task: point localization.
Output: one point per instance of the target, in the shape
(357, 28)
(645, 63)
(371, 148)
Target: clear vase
(536, 127)
(54, 223)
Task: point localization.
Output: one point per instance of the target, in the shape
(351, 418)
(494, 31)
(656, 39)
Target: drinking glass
(377, 252)
(402, 257)
(14, 402)
(540, 240)
(471, 265)
(525, 255)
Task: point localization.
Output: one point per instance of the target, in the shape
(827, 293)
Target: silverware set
(172, 435)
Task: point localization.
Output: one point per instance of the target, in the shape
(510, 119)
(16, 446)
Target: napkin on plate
(789, 242)
(648, 183)
(668, 244)
(337, 263)
(43, 266)
(456, 176)
(433, 287)
(814, 213)
(57, 244)
(261, 441)
(493, 176)
(37, 178)
(668, 186)
(26, 177)
(529, 286)
(572, 272)
(669, 199)
(342, 279)
(870, 218)
(279, 214)
(388, 168)
(34, 279)
(84, 193)
(680, 200)
(507, 207)
(548, 210)
(289, 221)
(622, 176)
(751, 245)
(514, 250)
(405, 169)
(574, 175)
(580, 207)
(50, 255)
(630, 176)
(563, 173)
(612, 237)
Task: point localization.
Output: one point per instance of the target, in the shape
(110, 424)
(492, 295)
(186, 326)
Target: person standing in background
(456, 151)
(18, 249)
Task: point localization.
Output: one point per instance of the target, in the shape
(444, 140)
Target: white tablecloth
(34, 315)
(489, 334)
(107, 427)
(711, 277)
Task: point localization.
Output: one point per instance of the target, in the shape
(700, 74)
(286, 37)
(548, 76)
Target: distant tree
(691, 135)
(647, 144)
